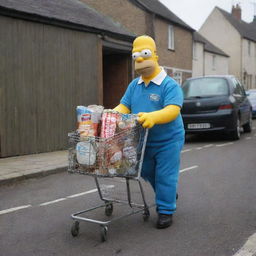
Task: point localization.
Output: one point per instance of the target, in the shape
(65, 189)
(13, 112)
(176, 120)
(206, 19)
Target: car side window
(237, 87)
(241, 87)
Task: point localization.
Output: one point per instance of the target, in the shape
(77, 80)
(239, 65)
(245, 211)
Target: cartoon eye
(146, 53)
(135, 55)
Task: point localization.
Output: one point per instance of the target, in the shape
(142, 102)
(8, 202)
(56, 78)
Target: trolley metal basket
(118, 156)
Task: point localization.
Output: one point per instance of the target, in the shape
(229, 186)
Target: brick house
(173, 37)
(236, 38)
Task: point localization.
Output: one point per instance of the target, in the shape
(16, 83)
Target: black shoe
(164, 220)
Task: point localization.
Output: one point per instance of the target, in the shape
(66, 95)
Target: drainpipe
(203, 62)
(150, 24)
(241, 61)
(153, 25)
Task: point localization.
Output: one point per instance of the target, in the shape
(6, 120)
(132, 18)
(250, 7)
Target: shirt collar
(157, 79)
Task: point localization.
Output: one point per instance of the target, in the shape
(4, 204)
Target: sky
(195, 12)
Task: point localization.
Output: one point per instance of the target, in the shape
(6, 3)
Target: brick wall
(129, 15)
(181, 57)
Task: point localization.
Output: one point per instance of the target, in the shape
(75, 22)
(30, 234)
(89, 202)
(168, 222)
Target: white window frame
(177, 76)
(170, 37)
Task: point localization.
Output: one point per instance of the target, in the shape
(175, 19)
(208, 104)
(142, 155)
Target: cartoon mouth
(143, 69)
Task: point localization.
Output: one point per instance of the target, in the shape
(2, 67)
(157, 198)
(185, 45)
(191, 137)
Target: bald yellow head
(146, 60)
(142, 42)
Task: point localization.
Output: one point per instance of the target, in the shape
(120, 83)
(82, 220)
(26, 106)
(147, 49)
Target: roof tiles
(246, 30)
(66, 11)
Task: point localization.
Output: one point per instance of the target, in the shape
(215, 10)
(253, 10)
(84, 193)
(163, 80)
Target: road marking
(225, 144)
(53, 202)
(198, 148)
(208, 146)
(83, 193)
(248, 138)
(189, 168)
(249, 248)
(15, 209)
(186, 150)
(76, 195)
(90, 191)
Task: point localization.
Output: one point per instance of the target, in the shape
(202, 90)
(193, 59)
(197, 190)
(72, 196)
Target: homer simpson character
(157, 99)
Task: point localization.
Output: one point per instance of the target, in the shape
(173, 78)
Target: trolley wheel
(146, 214)
(109, 209)
(103, 233)
(177, 196)
(75, 229)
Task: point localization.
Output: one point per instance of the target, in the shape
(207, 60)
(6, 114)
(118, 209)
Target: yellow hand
(146, 119)
(122, 109)
(163, 116)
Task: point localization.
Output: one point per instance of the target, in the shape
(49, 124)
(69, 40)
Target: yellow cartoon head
(145, 57)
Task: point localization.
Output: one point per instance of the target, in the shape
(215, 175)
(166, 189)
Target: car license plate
(199, 126)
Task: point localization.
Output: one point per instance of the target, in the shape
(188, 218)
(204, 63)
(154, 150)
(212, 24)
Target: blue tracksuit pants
(161, 168)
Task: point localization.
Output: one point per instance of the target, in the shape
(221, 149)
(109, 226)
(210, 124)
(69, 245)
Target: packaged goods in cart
(127, 121)
(110, 118)
(85, 127)
(107, 142)
(96, 113)
(82, 112)
(88, 119)
(113, 157)
(85, 153)
(129, 157)
(129, 152)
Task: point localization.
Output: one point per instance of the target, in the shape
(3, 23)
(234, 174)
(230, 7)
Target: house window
(170, 37)
(213, 62)
(249, 48)
(177, 76)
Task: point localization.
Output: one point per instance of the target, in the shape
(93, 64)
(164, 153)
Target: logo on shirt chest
(154, 97)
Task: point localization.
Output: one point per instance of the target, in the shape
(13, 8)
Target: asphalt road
(216, 211)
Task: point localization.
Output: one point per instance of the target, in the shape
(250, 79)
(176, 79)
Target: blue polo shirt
(159, 93)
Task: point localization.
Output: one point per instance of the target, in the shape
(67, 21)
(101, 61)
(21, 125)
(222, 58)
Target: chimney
(237, 12)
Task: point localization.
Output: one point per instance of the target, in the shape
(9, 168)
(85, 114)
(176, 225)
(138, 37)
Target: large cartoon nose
(139, 59)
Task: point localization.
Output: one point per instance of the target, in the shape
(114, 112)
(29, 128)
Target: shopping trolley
(118, 156)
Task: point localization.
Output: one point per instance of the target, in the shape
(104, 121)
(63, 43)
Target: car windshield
(205, 87)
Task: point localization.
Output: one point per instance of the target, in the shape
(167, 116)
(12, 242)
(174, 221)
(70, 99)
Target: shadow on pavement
(207, 137)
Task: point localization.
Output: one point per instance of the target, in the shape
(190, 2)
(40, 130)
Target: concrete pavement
(28, 166)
